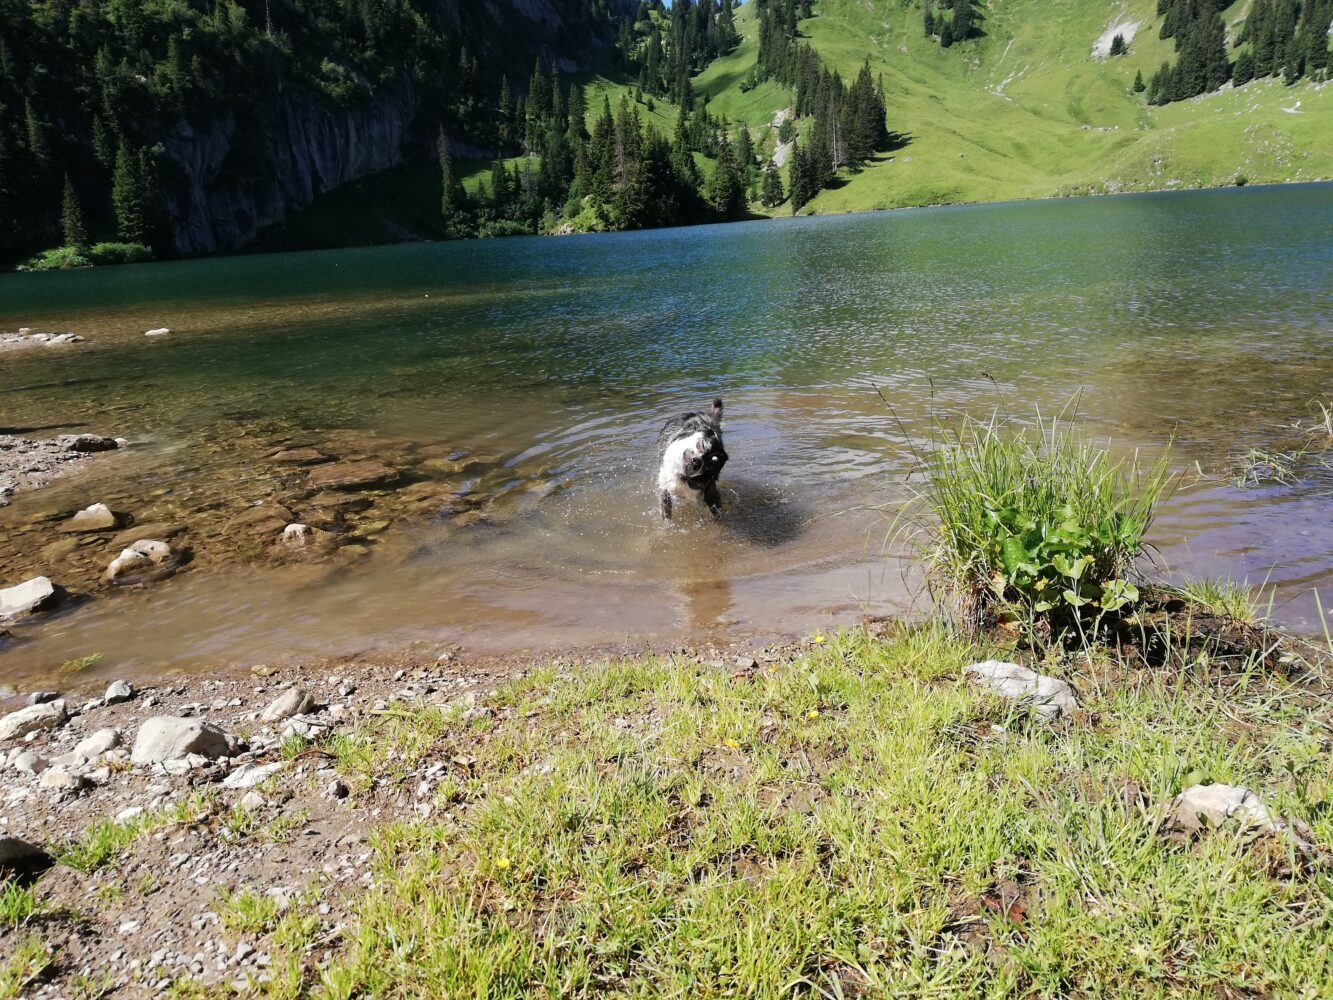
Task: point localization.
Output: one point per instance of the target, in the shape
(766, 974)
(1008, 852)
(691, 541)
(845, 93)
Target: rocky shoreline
(26, 463)
(25, 339)
(224, 785)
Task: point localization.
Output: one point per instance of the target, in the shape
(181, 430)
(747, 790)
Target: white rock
(129, 813)
(31, 595)
(160, 331)
(296, 535)
(1046, 696)
(252, 801)
(155, 550)
(293, 701)
(118, 691)
(165, 737)
(1201, 808)
(90, 749)
(129, 561)
(98, 517)
(33, 719)
(29, 762)
(61, 779)
(249, 775)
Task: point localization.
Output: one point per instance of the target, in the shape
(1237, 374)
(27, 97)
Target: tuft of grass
(104, 840)
(1039, 525)
(31, 956)
(1224, 598)
(247, 912)
(18, 903)
(81, 664)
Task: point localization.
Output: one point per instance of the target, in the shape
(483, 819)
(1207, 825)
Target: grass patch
(31, 956)
(1225, 598)
(81, 664)
(1037, 526)
(18, 903)
(103, 841)
(858, 822)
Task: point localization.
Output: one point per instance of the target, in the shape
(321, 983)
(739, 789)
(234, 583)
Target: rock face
(33, 719)
(1202, 808)
(32, 595)
(1048, 697)
(98, 517)
(293, 701)
(351, 476)
(165, 737)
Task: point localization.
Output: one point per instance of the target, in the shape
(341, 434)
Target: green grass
(78, 666)
(1224, 598)
(1038, 524)
(860, 822)
(29, 958)
(17, 903)
(105, 840)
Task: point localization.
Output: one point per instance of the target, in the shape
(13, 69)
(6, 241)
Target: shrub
(502, 227)
(1038, 527)
(59, 259)
(120, 253)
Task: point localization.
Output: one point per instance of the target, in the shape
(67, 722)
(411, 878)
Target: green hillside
(1022, 111)
(1026, 111)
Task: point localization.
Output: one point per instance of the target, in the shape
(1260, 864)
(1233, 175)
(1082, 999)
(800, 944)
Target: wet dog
(692, 458)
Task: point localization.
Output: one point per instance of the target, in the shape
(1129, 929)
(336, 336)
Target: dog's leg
(714, 500)
(666, 505)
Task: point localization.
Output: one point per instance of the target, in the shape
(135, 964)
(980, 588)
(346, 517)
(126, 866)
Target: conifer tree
(71, 218)
(38, 146)
(453, 199)
(772, 192)
(801, 183)
(129, 197)
(1118, 45)
(1139, 85)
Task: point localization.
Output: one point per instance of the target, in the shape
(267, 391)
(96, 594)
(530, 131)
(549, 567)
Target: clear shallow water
(1207, 316)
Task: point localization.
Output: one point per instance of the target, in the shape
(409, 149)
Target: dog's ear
(717, 409)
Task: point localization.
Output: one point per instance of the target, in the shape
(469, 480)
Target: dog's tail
(717, 409)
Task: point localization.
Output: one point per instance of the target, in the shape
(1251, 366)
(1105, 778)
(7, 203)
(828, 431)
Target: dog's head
(704, 467)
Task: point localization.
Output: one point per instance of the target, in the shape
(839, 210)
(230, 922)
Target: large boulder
(33, 719)
(1048, 697)
(166, 737)
(90, 748)
(36, 594)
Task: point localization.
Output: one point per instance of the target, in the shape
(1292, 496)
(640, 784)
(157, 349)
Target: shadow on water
(761, 515)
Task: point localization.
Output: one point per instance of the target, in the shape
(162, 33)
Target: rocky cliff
(228, 178)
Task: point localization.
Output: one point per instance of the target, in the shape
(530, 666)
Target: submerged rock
(165, 737)
(144, 555)
(351, 475)
(87, 442)
(160, 331)
(300, 456)
(1047, 696)
(33, 719)
(32, 595)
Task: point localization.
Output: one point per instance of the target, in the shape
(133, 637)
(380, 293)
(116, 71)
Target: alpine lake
(512, 391)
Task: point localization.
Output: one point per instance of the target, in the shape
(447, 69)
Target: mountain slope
(1026, 110)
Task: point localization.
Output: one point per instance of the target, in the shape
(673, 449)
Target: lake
(520, 383)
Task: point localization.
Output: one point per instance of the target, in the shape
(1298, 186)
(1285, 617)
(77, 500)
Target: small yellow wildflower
(501, 864)
(734, 744)
(819, 639)
(812, 714)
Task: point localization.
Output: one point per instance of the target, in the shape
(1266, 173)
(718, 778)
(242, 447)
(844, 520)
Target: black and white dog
(692, 458)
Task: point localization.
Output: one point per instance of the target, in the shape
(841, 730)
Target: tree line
(848, 123)
(93, 92)
(1287, 38)
(960, 24)
(616, 172)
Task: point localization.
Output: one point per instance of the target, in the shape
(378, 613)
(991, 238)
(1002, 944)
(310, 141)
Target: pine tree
(1139, 85)
(453, 199)
(128, 198)
(71, 218)
(801, 183)
(38, 146)
(1118, 45)
(772, 194)
(928, 20)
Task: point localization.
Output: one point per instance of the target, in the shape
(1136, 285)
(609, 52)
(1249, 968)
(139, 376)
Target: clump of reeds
(1035, 527)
